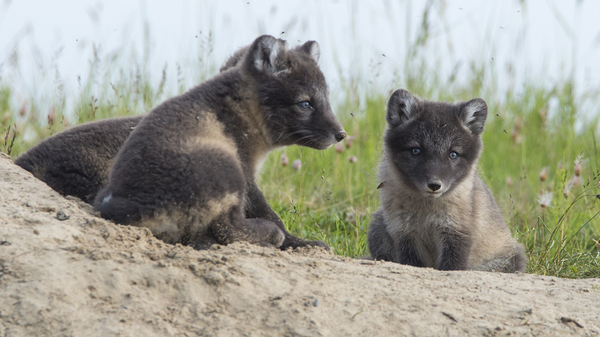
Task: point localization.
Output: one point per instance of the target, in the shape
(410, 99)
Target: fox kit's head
(292, 93)
(433, 146)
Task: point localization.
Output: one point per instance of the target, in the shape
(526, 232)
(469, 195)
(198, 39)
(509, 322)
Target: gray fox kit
(187, 170)
(435, 209)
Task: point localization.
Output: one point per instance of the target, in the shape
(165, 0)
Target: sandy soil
(66, 272)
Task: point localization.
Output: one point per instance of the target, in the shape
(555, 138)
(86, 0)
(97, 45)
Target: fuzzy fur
(77, 161)
(435, 209)
(188, 169)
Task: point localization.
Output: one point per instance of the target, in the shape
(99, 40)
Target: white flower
(544, 199)
(544, 173)
(297, 165)
(574, 181)
(284, 160)
(578, 161)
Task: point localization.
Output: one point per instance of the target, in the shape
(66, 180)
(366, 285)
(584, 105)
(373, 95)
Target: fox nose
(340, 136)
(434, 185)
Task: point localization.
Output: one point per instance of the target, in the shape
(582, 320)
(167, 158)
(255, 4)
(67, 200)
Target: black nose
(340, 136)
(435, 185)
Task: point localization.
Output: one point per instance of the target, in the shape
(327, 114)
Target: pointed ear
(473, 115)
(402, 106)
(263, 53)
(312, 49)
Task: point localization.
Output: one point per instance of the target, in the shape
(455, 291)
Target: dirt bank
(66, 272)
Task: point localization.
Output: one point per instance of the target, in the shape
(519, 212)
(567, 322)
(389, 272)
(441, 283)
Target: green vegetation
(527, 155)
(540, 141)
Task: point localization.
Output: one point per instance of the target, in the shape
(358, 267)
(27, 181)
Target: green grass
(331, 199)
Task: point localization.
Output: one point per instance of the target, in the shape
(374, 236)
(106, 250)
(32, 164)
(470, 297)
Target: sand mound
(64, 271)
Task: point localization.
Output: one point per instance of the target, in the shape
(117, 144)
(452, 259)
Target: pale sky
(539, 40)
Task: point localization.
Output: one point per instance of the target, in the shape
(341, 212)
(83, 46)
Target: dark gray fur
(187, 170)
(77, 161)
(436, 211)
(235, 59)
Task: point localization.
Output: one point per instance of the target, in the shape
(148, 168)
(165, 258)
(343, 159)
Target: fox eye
(453, 155)
(305, 105)
(416, 151)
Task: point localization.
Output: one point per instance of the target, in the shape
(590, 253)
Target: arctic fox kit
(435, 209)
(187, 170)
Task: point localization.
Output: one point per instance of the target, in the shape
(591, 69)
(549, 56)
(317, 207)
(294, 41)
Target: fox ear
(402, 106)
(312, 49)
(263, 53)
(473, 115)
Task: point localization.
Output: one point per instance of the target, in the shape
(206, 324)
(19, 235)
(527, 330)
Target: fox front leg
(456, 248)
(233, 226)
(407, 252)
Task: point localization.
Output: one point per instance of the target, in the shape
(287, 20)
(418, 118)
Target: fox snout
(434, 185)
(340, 136)
(335, 126)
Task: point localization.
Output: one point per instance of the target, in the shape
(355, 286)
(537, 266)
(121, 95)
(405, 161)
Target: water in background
(365, 46)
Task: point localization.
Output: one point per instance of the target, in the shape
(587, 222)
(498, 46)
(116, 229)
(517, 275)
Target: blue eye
(305, 105)
(453, 155)
(416, 151)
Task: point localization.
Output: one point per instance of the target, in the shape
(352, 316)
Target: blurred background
(535, 62)
(365, 46)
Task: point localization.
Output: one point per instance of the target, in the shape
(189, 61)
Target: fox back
(77, 161)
